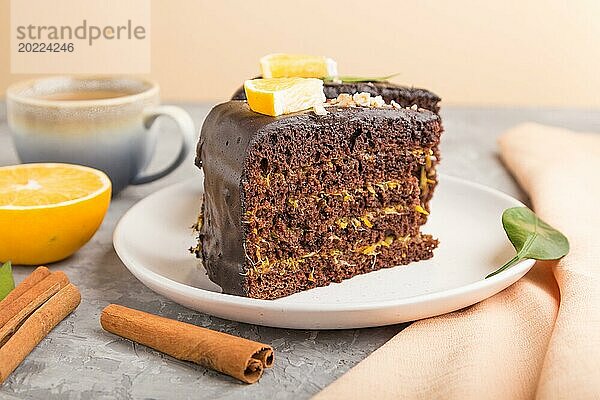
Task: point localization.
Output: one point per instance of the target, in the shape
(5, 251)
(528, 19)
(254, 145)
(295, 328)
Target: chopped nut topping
(343, 100)
(377, 101)
(362, 99)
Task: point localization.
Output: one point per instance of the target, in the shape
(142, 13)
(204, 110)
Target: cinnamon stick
(35, 277)
(15, 322)
(238, 357)
(18, 304)
(36, 327)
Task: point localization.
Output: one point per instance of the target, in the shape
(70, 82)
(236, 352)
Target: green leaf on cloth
(531, 237)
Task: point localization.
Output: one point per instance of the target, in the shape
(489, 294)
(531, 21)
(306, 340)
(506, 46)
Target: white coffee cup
(101, 122)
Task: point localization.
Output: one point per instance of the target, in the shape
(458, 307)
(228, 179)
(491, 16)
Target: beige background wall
(510, 53)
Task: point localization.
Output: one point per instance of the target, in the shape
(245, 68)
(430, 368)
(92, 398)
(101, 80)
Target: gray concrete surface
(78, 360)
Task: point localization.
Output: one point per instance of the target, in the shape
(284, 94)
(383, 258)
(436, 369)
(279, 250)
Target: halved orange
(48, 211)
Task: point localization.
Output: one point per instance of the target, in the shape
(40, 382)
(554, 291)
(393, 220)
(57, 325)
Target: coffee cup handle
(186, 129)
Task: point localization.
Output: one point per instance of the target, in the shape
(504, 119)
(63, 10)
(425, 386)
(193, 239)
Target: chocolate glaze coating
(231, 132)
(221, 153)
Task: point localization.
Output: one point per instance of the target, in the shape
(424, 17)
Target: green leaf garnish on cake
(358, 79)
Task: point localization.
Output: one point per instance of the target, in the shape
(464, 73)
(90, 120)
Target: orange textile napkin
(539, 338)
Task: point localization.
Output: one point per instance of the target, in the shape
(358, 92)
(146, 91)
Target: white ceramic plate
(153, 238)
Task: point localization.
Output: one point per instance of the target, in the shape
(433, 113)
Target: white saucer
(153, 237)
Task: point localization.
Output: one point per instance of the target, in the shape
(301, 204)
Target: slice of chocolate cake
(303, 200)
